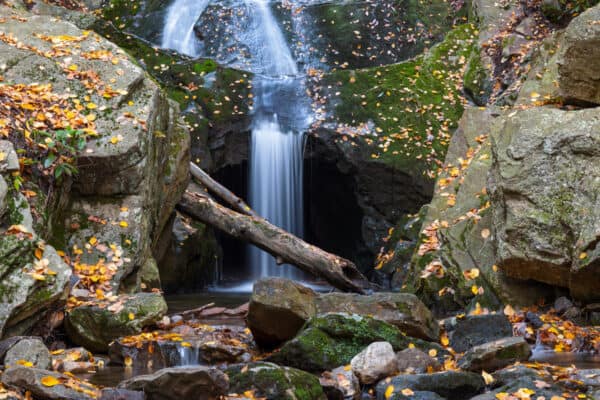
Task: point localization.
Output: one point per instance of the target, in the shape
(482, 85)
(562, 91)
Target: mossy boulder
(456, 234)
(280, 307)
(330, 340)
(273, 382)
(95, 326)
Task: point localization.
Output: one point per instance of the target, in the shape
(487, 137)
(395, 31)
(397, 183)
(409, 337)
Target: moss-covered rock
(272, 382)
(331, 340)
(409, 109)
(95, 326)
(457, 231)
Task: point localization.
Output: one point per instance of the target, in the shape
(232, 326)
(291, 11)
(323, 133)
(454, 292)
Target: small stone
(340, 384)
(562, 304)
(416, 361)
(533, 319)
(375, 362)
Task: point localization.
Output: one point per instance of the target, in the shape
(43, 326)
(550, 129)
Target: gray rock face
(494, 355)
(31, 379)
(340, 384)
(463, 246)
(9, 162)
(200, 383)
(280, 307)
(416, 361)
(474, 330)
(579, 62)
(24, 300)
(29, 349)
(542, 190)
(375, 362)
(452, 385)
(94, 327)
(273, 382)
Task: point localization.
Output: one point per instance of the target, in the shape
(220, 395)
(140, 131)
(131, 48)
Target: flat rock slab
(30, 379)
(495, 355)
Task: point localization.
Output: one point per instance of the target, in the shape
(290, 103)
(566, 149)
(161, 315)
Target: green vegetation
(414, 105)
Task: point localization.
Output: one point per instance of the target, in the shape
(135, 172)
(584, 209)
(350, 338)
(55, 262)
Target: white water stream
(281, 114)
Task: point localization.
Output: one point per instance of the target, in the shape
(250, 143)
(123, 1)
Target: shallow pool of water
(579, 360)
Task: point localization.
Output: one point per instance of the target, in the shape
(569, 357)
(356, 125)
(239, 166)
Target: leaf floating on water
(389, 391)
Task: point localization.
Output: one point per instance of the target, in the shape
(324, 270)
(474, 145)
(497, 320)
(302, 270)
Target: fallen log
(287, 248)
(221, 191)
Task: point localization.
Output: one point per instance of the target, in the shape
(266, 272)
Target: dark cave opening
(333, 218)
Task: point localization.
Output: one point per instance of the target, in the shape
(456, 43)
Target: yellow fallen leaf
(25, 363)
(123, 224)
(91, 106)
(489, 379)
(582, 255)
(509, 311)
(49, 381)
(407, 392)
(128, 361)
(389, 391)
(433, 352)
(186, 344)
(93, 240)
(131, 316)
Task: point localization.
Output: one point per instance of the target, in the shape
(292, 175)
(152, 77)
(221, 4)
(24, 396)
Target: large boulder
(280, 307)
(95, 326)
(330, 340)
(47, 385)
(273, 382)
(542, 187)
(200, 383)
(131, 174)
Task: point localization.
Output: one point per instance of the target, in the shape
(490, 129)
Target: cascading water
(178, 33)
(281, 115)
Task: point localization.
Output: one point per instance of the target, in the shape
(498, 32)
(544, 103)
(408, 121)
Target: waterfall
(178, 33)
(281, 115)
